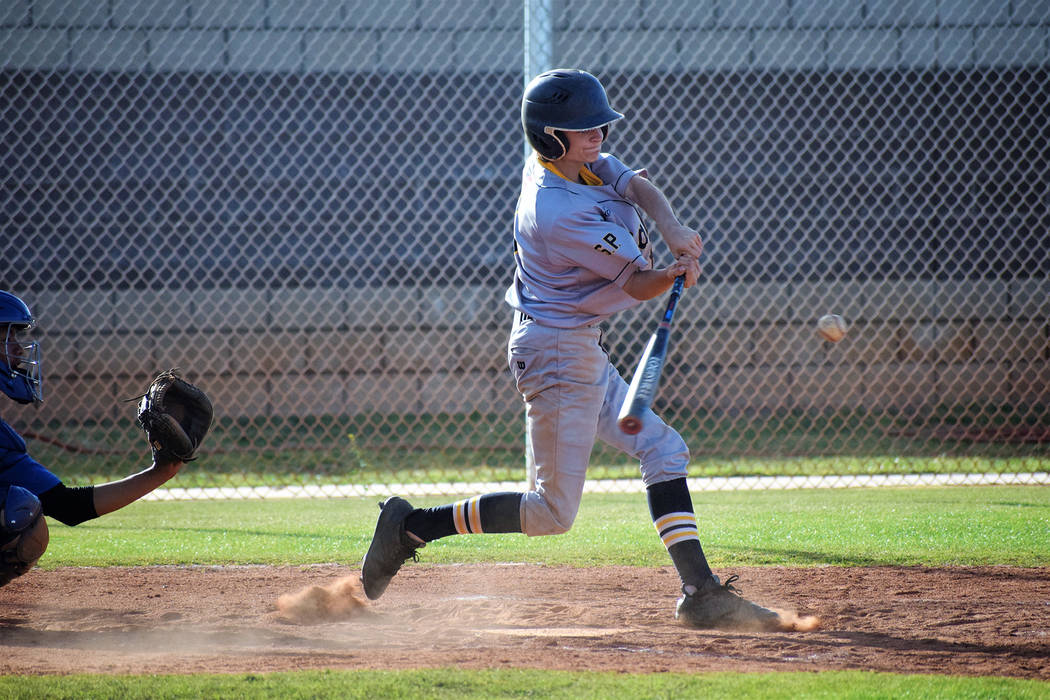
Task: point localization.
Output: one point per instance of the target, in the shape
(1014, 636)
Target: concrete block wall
(355, 35)
(261, 35)
(912, 344)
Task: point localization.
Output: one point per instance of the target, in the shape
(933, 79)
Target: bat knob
(630, 425)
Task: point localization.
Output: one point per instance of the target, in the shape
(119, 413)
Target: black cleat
(720, 606)
(391, 547)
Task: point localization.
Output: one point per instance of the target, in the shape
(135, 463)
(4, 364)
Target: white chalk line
(715, 483)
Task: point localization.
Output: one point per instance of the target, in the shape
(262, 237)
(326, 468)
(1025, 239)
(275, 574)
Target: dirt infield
(964, 621)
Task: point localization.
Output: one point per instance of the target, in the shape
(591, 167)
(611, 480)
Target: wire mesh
(307, 207)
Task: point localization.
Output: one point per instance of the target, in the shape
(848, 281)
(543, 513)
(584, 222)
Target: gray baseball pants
(572, 395)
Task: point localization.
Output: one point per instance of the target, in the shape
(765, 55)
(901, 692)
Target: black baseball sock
(671, 508)
(493, 512)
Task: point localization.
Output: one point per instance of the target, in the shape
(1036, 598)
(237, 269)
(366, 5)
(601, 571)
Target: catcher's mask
(561, 100)
(20, 369)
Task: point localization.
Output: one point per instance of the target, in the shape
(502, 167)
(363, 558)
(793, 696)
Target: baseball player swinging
(581, 254)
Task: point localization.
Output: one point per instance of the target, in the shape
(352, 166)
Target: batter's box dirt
(964, 621)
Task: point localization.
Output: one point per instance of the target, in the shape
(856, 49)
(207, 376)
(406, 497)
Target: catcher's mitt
(175, 416)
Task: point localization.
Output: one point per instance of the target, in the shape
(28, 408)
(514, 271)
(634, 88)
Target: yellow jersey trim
(586, 175)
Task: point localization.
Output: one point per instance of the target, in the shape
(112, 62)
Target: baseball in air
(831, 328)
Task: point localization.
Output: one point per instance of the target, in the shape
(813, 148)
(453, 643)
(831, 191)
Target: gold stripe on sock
(675, 519)
(677, 527)
(458, 517)
(474, 511)
(680, 536)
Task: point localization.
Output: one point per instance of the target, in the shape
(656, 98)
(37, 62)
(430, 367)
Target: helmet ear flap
(560, 143)
(550, 146)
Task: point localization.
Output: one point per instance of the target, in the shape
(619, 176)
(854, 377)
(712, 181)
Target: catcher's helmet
(19, 373)
(563, 100)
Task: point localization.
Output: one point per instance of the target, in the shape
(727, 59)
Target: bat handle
(678, 286)
(630, 425)
(672, 301)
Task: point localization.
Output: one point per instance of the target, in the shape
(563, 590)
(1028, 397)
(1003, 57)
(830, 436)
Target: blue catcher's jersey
(18, 468)
(575, 245)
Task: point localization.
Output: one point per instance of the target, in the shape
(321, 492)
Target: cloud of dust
(339, 600)
(791, 621)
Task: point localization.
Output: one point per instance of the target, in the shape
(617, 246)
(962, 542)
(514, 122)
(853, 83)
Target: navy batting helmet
(563, 99)
(19, 362)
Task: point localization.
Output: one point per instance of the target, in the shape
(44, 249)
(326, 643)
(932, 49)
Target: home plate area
(231, 619)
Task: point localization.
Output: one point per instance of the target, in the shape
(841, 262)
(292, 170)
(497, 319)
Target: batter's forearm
(653, 202)
(647, 284)
(680, 239)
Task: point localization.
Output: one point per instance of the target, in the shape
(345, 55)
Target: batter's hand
(685, 265)
(682, 240)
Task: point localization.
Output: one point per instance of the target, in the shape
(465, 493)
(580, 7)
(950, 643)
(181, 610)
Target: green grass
(844, 527)
(849, 527)
(456, 684)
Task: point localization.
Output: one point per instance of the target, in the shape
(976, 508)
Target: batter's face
(584, 146)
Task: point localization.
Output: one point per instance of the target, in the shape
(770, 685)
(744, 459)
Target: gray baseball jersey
(575, 246)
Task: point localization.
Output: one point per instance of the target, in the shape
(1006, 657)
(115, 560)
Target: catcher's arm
(114, 495)
(74, 505)
(175, 416)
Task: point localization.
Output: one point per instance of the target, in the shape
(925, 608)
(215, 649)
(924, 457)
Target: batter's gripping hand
(175, 416)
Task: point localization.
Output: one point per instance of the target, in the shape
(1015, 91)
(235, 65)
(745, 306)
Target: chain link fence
(308, 207)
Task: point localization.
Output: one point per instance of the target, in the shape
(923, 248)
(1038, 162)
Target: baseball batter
(28, 490)
(582, 254)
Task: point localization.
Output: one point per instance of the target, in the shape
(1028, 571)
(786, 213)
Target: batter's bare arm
(681, 240)
(646, 284)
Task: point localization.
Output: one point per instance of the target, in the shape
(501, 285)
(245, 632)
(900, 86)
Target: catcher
(174, 414)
